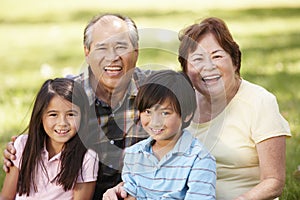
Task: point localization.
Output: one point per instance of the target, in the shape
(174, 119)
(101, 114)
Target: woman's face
(211, 69)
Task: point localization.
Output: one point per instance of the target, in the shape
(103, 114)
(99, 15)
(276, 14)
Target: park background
(43, 39)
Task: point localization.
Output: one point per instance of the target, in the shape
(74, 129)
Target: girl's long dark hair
(74, 150)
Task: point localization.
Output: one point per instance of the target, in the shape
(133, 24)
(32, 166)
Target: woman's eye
(197, 59)
(217, 56)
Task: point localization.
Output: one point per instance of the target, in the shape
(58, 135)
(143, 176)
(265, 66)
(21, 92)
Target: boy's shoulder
(198, 147)
(140, 146)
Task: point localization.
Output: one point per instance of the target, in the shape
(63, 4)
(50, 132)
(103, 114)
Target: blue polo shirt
(188, 171)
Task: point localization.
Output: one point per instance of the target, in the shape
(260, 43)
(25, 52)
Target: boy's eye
(147, 112)
(165, 113)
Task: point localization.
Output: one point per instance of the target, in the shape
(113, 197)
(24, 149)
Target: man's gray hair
(133, 32)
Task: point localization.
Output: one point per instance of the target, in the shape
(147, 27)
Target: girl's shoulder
(21, 140)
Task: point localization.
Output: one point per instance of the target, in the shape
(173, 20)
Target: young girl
(170, 164)
(52, 161)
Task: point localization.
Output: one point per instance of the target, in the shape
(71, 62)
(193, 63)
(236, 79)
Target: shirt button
(112, 142)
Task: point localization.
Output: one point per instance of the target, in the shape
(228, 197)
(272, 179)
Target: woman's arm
(84, 191)
(271, 153)
(9, 188)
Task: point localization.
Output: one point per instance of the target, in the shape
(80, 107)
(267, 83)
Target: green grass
(43, 39)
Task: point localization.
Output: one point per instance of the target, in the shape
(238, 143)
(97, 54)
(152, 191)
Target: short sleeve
(19, 144)
(129, 182)
(268, 122)
(89, 168)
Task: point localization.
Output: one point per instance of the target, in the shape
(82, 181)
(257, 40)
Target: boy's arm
(9, 188)
(84, 191)
(202, 180)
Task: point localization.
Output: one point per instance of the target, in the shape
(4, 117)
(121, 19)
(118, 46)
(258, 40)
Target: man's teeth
(113, 68)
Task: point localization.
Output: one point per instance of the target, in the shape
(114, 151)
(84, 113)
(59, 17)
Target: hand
(115, 192)
(9, 154)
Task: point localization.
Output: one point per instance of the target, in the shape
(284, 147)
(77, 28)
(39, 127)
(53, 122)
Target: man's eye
(121, 47)
(101, 48)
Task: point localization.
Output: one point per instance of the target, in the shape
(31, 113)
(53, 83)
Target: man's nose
(111, 54)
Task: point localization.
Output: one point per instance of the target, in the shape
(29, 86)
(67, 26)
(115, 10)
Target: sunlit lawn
(44, 40)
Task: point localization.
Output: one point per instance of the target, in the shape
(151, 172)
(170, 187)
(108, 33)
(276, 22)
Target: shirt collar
(182, 146)
(45, 154)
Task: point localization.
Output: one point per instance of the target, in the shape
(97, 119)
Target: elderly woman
(237, 120)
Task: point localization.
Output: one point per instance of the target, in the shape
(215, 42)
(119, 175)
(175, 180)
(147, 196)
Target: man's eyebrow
(99, 44)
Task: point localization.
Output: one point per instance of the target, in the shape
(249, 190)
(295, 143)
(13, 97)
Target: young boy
(170, 163)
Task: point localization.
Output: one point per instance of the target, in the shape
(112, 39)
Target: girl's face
(211, 69)
(162, 123)
(61, 121)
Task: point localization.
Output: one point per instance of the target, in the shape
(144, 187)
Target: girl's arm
(9, 188)
(84, 191)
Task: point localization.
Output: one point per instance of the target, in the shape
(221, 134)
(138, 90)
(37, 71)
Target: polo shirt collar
(182, 146)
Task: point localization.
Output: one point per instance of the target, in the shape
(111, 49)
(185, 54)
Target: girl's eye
(52, 115)
(72, 114)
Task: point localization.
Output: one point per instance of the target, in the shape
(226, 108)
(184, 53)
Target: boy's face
(162, 123)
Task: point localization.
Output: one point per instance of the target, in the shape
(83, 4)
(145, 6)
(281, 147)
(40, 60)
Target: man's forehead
(113, 21)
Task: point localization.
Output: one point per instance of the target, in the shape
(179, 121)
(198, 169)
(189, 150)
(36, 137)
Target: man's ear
(86, 51)
(188, 117)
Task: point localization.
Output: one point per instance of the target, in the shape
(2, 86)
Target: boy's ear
(137, 117)
(188, 117)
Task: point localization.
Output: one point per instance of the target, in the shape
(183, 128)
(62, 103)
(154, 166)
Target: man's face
(111, 54)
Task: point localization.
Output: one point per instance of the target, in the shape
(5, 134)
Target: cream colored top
(251, 117)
